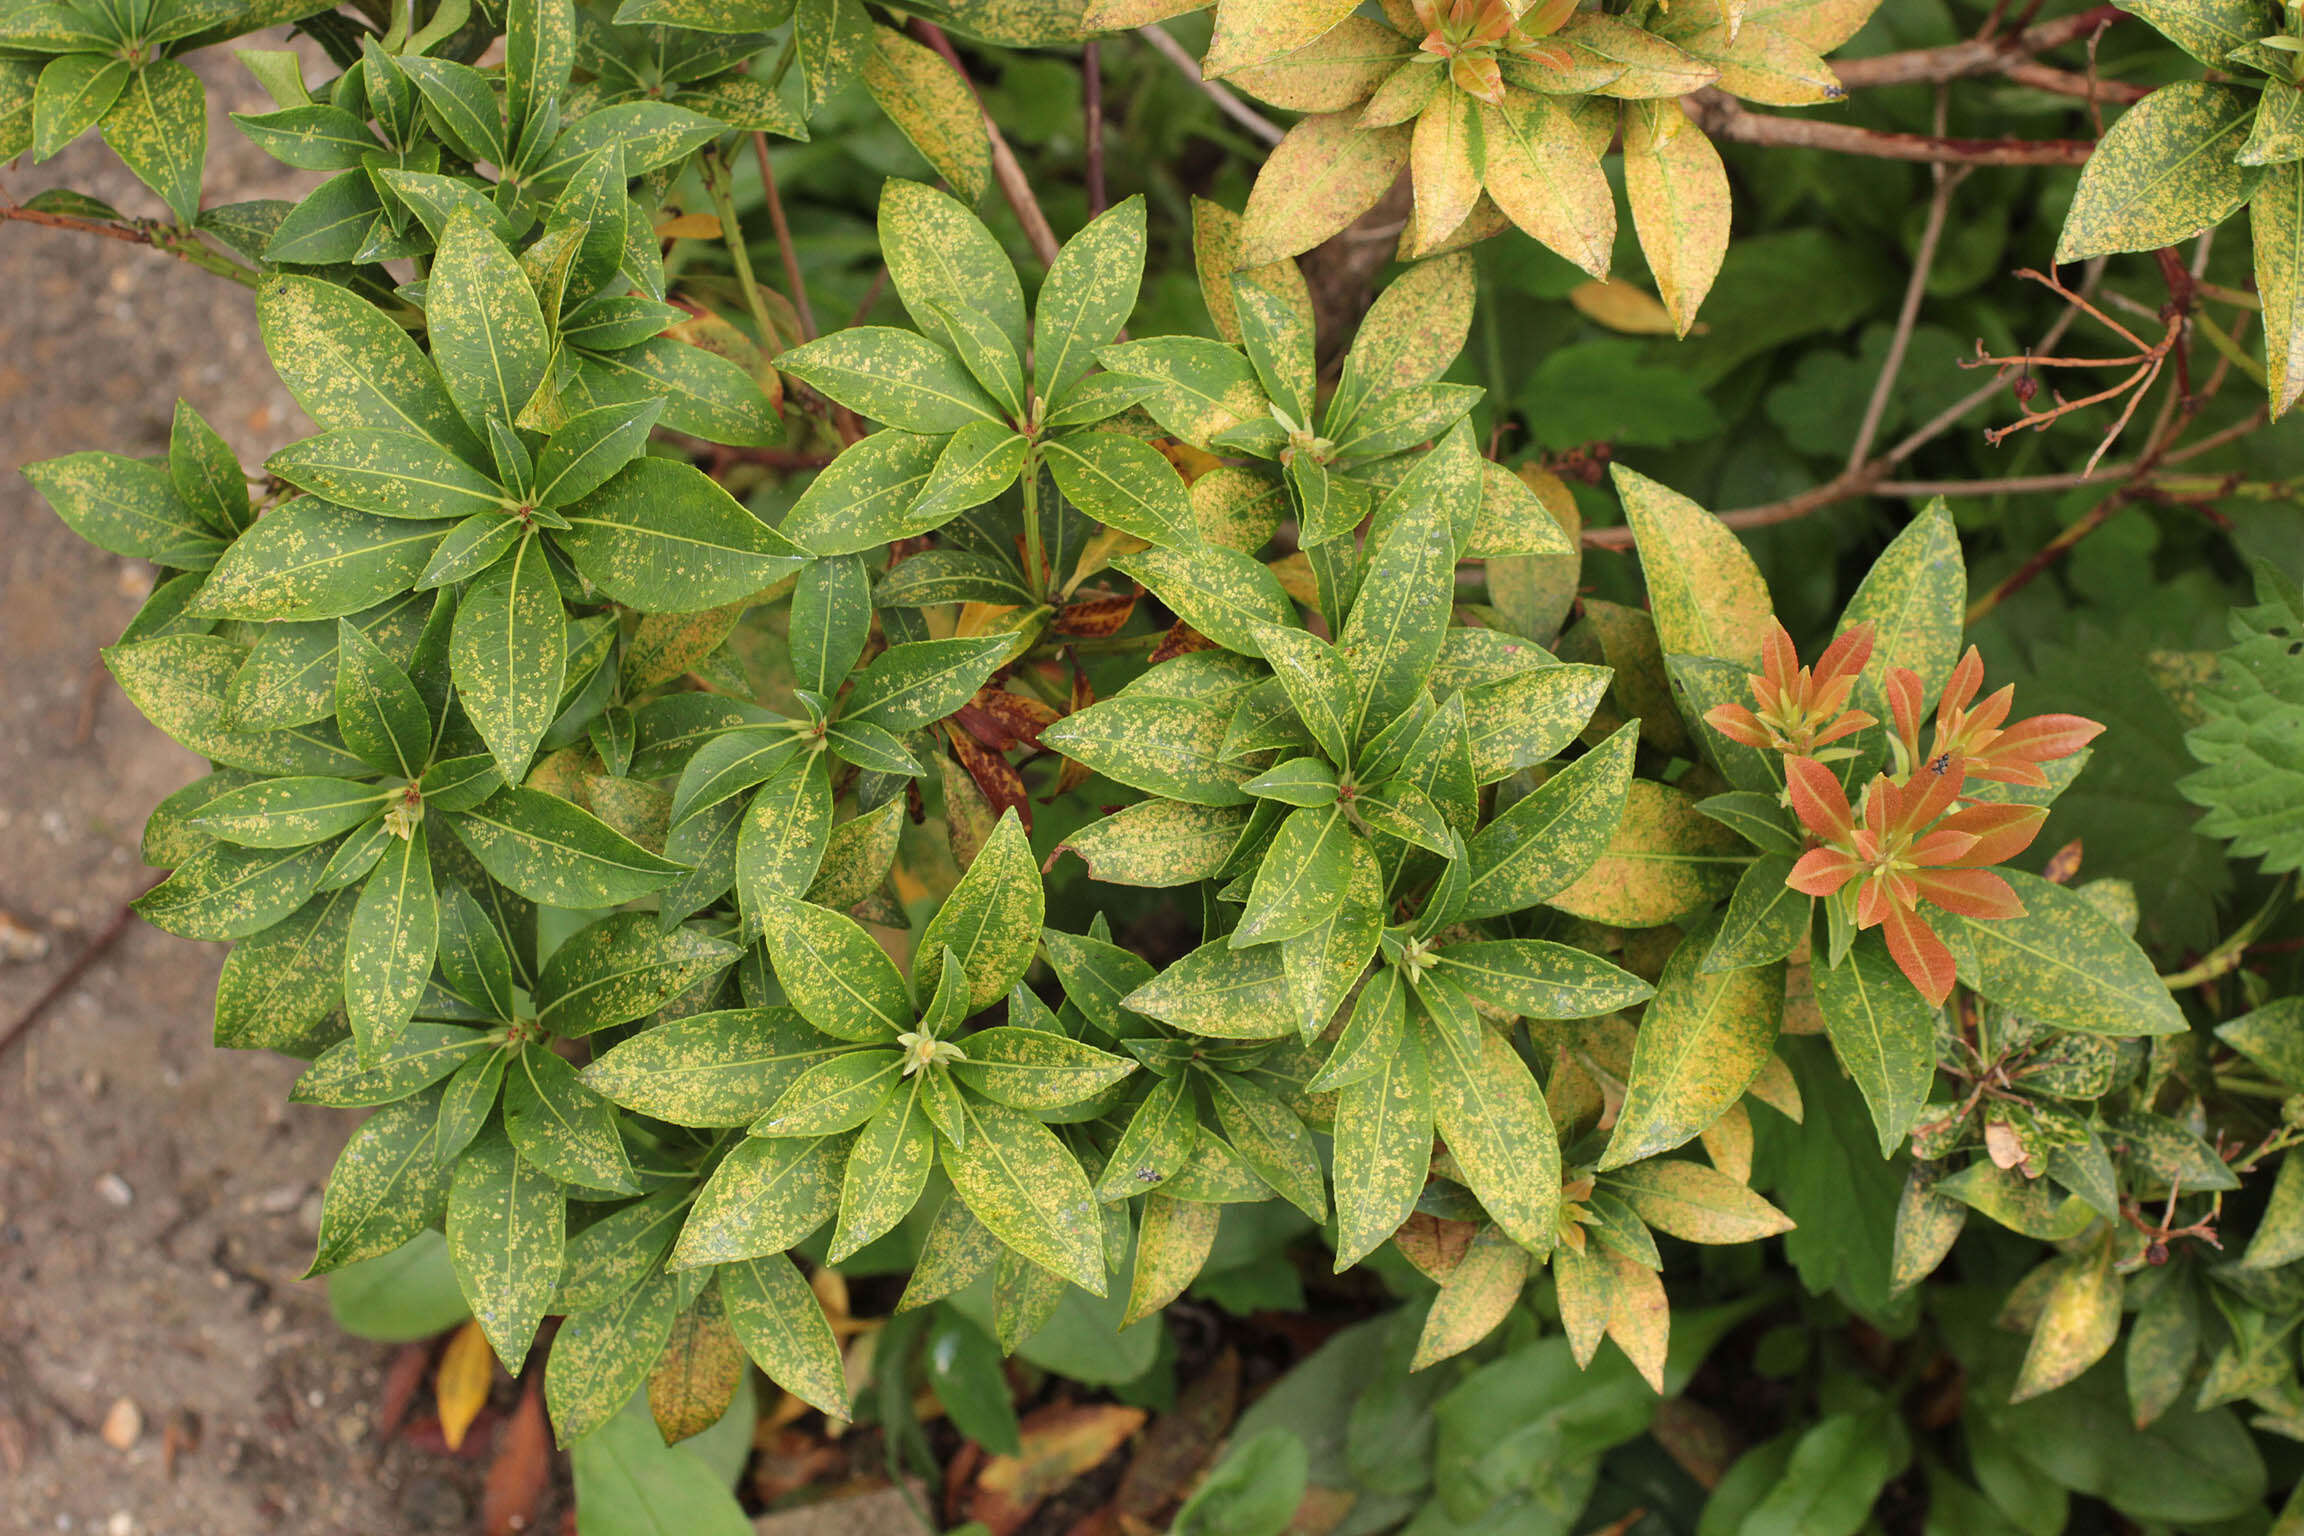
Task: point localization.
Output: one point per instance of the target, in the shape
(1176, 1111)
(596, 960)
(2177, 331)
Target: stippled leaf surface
(991, 920)
(1884, 1033)
(2163, 173)
(783, 1328)
(310, 559)
(2066, 965)
(385, 1188)
(1547, 839)
(1167, 747)
(1704, 589)
(1664, 861)
(557, 854)
(507, 1230)
(1029, 1192)
(1494, 1118)
(660, 536)
(840, 980)
(1700, 1044)
(349, 365)
(768, 1193)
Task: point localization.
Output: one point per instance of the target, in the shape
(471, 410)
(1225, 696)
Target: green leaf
(1087, 297)
(1393, 635)
(126, 506)
(651, 134)
(1547, 839)
(922, 681)
(703, 392)
(834, 973)
(389, 948)
(1302, 878)
(1884, 1033)
(1703, 587)
(1837, 1470)
(2163, 173)
(992, 918)
(1300, 781)
(1915, 597)
(386, 1186)
(730, 762)
(780, 843)
(838, 1094)
(2065, 965)
(464, 104)
(601, 1356)
(312, 560)
(1036, 1069)
(349, 365)
(159, 129)
(290, 812)
(539, 53)
(1029, 1192)
(1532, 978)
(768, 1193)
(895, 377)
(629, 1479)
(1766, 919)
(1701, 1043)
(986, 352)
(562, 1126)
(887, 1170)
(224, 892)
(1123, 483)
(182, 683)
(1383, 1151)
(382, 716)
(784, 1330)
(1493, 1116)
(557, 855)
(507, 1227)
(589, 447)
(310, 137)
(1226, 595)
(831, 620)
(661, 537)
(391, 474)
(870, 495)
(621, 968)
(1222, 993)
(940, 255)
(710, 1069)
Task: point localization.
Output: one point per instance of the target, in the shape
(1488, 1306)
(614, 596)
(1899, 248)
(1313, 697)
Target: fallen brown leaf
(1060, 1442)
(521, 1470)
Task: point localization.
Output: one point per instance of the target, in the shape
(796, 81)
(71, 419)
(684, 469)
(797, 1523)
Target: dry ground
(157, 1197)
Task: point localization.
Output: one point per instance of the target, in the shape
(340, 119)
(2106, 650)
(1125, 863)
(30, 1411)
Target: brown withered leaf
(401, 1379)
(1434, 1244)
(996, 778)
(1180, 1443)
(522, 1468)
(697, 1375)
(1060, 1442)
(1005, 721)
(1095, 614)
(968, 815)
(1072, 775)
(1696, 1437)
(2063, 864)
(1181, 640)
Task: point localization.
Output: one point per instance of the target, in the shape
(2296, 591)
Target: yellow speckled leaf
(1173, 1240)
(1679, 195)
(1327, 172)
(2079, 1323)
(1254, 31)
(2163, 173)
(992, 918)
(1497, 1127)
(1542, 173)
(697, 1376)
(1383, 1151)
(159, 129)
(1665, 861)
(926, 98)
(1704, 589)
(1694, 1203)
(1474, 1299)
(783, 1328)
(1701, 1043)
(1444, 161)
(2276, 226)
(1332, 74)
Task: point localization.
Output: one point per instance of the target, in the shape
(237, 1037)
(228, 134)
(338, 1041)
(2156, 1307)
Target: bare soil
(157, 1196)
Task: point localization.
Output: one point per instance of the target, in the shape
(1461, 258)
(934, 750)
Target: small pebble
(115, 1190)
(123, 1425)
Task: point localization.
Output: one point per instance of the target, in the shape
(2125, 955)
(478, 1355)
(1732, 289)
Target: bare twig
(1723, 117)
(783, 230)
(1915, 289)
(1226, 102)
(182, 244)
(1092, 103)
(1984, 54)
(1006, 170)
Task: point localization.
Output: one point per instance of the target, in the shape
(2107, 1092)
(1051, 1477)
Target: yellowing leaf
(1446, 174)
(1253, 31)
(1703, 587)
(1665, 860)
(935, 108)
(1679, 195)
(1327, 172)
(1623, 306)
(460, 1389)
(1545, 176)
(1474, 1299)
(2079, 1323)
